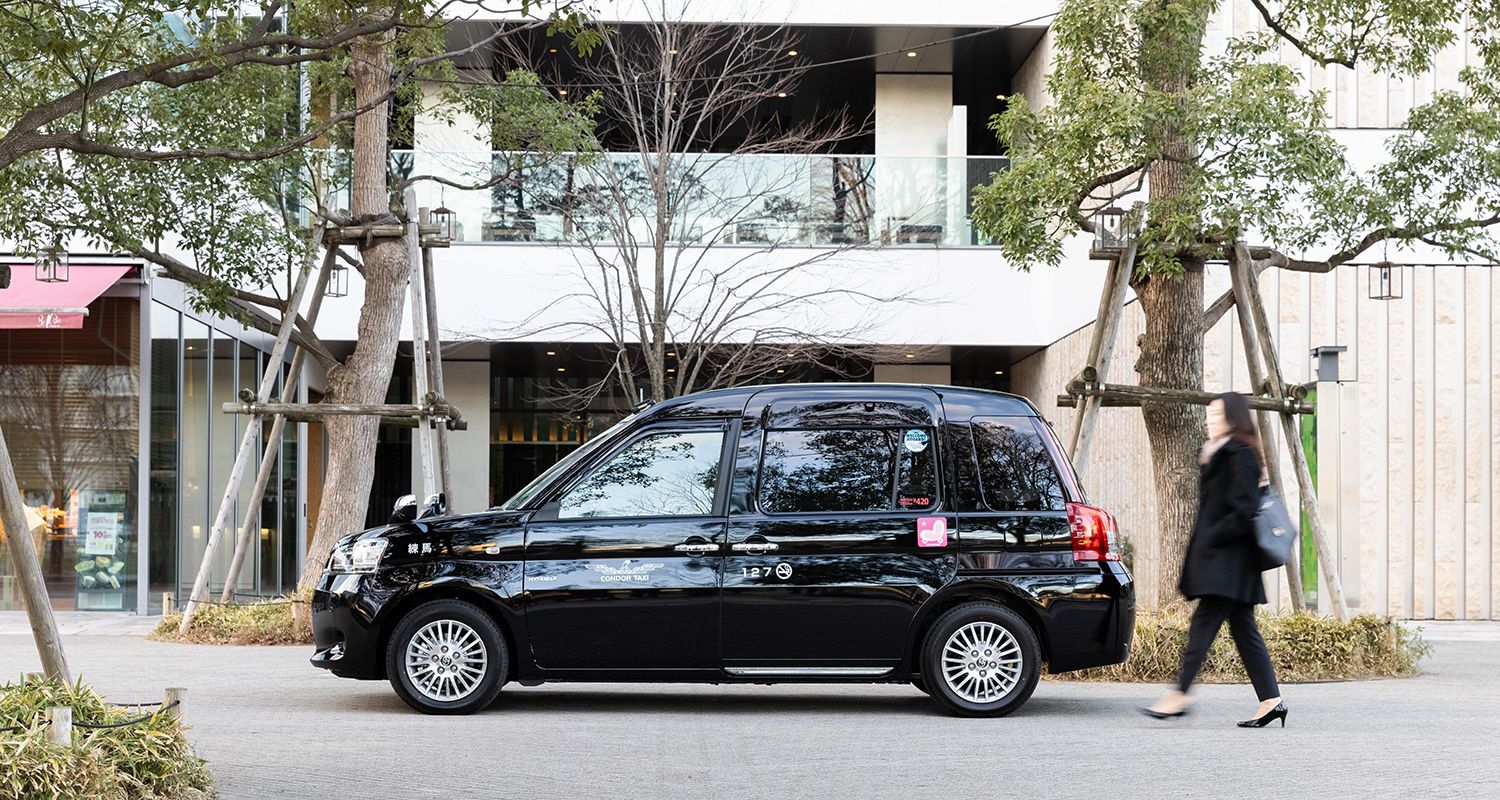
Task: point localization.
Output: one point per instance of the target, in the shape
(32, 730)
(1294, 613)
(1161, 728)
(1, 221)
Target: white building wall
(1420, 532)
(466, 385)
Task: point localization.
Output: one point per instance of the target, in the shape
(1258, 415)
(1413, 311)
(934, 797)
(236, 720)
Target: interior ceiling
(982, 63)
(1005, 49)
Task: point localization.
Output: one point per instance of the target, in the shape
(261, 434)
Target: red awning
(30, 304)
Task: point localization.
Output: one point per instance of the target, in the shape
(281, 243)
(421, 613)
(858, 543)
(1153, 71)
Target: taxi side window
(667, 474)
(1016, 472)
(847, 469)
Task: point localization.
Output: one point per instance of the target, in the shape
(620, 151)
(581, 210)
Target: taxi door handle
(696, 547)
(754, 547)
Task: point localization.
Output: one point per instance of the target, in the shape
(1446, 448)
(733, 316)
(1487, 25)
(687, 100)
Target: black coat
(1221, 556)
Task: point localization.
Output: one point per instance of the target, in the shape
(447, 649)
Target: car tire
(982, 682)
(447, 641)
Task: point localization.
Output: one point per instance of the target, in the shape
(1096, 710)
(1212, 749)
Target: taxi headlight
(361, 556)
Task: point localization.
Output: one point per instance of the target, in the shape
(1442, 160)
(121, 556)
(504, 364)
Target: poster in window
(102, 531)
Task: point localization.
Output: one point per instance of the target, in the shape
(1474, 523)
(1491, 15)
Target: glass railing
(751, 200)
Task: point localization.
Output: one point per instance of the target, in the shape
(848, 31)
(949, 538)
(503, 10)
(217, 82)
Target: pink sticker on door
(932, 532)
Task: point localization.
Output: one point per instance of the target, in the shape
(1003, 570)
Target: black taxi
(929, 535)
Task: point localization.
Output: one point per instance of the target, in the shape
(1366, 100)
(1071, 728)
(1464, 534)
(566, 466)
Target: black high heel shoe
(1154, 714)
(1279, 712)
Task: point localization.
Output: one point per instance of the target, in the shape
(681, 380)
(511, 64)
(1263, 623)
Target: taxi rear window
(848, 469)
(1016, 472)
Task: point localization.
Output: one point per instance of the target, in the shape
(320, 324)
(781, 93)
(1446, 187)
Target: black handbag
(1274, 534)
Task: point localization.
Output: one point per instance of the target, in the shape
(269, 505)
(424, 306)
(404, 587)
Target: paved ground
(273, 727)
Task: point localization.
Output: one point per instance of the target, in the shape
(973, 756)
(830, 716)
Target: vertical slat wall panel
(1424, 328)
(1474, 450)
(1374, 443)
(1494, 418)
(1448, 393)
(1400, 463)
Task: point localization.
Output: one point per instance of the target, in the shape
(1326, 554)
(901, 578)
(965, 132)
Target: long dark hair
(1241, 422)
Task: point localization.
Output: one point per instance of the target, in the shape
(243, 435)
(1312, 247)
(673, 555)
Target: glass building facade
(123, 452)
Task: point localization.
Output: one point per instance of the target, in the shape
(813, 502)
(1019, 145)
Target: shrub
(1304, 647)
(151, 760)
(264, 622)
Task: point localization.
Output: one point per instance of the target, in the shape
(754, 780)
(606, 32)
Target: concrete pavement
(271, 726)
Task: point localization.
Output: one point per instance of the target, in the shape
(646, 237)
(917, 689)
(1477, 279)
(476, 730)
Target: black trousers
(1207, 619)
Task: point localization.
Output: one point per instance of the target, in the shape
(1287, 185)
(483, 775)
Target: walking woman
(1220, 570)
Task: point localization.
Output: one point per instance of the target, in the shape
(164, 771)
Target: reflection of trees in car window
(665, 474)
(1016, 472)
(841, 469)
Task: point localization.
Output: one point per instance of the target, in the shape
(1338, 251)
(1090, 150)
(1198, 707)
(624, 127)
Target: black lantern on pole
(1109, 230)
(1385, 281)
(338, 281)
(52, 265)
(447, 223)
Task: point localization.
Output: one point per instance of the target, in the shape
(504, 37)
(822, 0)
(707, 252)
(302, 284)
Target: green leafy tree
(195, 136)
(1229, 146)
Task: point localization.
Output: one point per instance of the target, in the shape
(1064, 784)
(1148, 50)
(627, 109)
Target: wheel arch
(474, 594)
(994, 590)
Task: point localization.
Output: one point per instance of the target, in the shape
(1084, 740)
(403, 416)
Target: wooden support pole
(251, 438)
(60, 725)
(29, 572)
(1101, 351)
(312, 411)
(1190, 396)
(1293, 435)
(1263, 418)
(436, 365)
(272, 451)
(426, 474)
(1073, 401)
(353, 234)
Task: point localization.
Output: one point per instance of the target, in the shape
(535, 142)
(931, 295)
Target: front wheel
(981, 660)
(446, 657)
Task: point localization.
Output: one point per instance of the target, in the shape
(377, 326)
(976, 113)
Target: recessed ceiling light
(781, 94)
(911, 54)
(673, 51)
(562, 369)
(999, 97)
(791, 52)
(780, 371)
(562, 91)
(911, 355)
(551, 352)
(669, 369)
(671, 352)
(552, 49)
(999, 372)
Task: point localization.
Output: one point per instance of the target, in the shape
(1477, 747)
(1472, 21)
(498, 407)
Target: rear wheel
(981, 660)
(446, 657)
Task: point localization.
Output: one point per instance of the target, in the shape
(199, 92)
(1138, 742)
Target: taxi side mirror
(436, 506)
(405, 509)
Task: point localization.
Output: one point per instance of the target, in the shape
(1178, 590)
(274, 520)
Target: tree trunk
(366, 375)
(1172, 346)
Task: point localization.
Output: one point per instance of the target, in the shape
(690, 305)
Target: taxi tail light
(1095, 536)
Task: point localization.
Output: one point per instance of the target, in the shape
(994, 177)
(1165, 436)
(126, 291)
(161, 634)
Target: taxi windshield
(531, 490)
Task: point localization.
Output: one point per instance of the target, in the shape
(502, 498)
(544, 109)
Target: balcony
(759, 201)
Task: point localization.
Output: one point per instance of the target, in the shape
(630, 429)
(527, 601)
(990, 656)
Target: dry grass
(265, 622)
(151, 760)
(1304, 647)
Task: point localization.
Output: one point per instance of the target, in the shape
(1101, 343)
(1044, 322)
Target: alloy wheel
(446, 660)
(982, 662)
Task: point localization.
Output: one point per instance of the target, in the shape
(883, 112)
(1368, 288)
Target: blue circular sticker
(915, 440)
